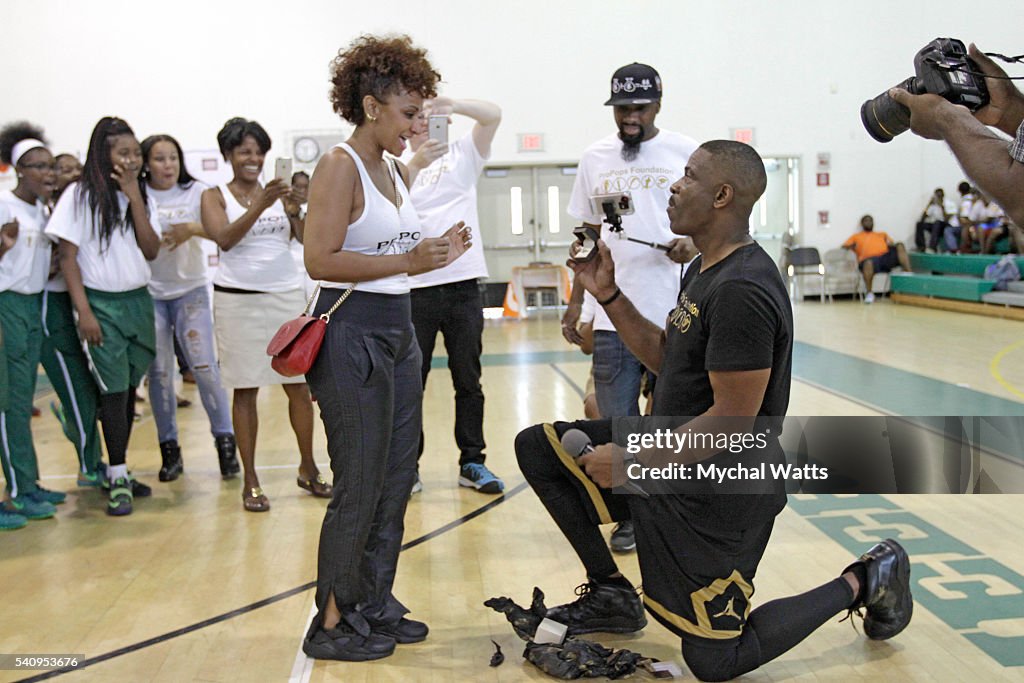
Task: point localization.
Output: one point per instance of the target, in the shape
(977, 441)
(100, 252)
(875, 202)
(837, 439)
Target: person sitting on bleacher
(976, 214)
(876, 253)
(992, 229)
(959, 221)
(934, 221)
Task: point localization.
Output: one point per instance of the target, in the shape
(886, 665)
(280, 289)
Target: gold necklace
(247, 199)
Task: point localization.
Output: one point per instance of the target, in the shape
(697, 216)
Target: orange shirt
(868, 244)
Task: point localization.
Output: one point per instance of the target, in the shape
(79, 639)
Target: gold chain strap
(326, 317)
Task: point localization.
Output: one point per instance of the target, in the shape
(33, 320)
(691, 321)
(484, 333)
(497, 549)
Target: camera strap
(1018, 59)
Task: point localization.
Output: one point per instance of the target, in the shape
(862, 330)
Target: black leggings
(117, 411)
(771, 630)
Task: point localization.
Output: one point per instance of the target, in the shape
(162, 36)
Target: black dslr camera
(943, 68)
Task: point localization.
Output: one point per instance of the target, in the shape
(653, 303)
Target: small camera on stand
(614, 206)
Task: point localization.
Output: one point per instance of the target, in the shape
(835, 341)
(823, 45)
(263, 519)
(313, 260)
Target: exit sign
(744, 135)
(531, 142)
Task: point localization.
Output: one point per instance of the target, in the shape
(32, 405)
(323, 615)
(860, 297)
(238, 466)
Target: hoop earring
(369, 118)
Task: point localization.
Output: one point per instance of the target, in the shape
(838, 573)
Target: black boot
(229, 468)
(170, 453)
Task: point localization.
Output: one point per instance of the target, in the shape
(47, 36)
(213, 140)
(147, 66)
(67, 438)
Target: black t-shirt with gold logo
(734, 316)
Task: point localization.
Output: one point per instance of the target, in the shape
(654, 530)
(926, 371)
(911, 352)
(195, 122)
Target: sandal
(318, 487)
(253, 500)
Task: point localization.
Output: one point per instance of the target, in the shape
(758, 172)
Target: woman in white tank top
(256, 290)
(362, 240)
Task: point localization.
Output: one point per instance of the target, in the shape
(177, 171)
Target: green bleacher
(948, 276)
(956, 264)
(944, 286)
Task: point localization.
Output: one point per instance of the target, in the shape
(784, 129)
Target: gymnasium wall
(796, 71)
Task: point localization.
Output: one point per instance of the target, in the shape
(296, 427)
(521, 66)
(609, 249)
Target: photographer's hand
(983, 154)
(930, 115)
(1005, 110)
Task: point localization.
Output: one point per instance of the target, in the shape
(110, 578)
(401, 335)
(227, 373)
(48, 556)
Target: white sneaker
(417, 486)
(869, 298)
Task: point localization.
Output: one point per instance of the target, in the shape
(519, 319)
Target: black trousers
(366, 380)
(456, 311)
(932, 230)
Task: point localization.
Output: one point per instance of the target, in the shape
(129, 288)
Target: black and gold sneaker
(604, 607)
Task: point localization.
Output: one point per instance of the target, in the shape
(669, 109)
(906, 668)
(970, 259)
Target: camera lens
(883, 117)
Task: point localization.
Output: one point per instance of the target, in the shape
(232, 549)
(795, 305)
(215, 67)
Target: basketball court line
(156, 640)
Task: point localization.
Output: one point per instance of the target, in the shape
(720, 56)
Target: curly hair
(378, 66)
(13, 133)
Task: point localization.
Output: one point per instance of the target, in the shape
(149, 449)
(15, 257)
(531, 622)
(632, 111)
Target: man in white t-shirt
(447, 300)
(645, 161)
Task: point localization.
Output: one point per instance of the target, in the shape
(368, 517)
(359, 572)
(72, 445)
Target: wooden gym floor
(190, 587)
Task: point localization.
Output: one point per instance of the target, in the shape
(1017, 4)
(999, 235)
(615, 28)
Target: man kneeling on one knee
(726, 351)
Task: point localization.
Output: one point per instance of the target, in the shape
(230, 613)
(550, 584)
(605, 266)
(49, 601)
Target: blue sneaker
(9, 521)
(476, 475)
(48, 496)
(120, 502)
(29, 508)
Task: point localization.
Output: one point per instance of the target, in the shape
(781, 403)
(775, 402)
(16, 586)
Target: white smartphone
(437, 128)
(283, 169)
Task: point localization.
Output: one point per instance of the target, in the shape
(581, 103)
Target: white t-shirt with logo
(25, 267)
(180, 270)
(646, 275)
(444, 193)
(117, 266)
(262, 260)
(381, 230)
(978, 213)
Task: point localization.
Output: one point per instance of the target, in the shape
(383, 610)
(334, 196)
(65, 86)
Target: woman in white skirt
(257, 289)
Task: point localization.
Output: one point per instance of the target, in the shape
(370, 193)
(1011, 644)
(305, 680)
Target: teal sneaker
(120, 502)
(91, 479)
(9, 521)
(476, 475)
(48, 496)
(94, 478)
(29, 508)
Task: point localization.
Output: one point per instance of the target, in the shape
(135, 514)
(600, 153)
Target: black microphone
(577, 443)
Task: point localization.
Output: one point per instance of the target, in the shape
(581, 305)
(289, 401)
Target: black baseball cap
(635, 83)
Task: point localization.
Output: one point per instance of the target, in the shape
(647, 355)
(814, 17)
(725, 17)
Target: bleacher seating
(956, 282)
